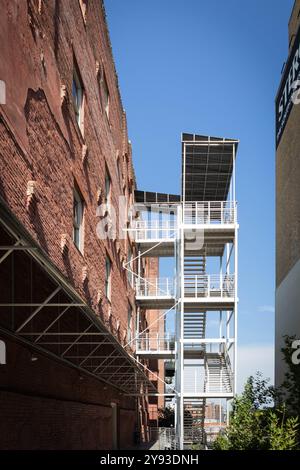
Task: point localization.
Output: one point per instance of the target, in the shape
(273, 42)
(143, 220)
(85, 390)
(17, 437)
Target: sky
(213, 68)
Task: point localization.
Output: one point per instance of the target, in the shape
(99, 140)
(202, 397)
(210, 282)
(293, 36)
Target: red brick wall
(40, 141)
(47, 405)
(156, 327)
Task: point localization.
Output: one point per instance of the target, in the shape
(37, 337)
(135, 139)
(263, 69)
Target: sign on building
(289, 91)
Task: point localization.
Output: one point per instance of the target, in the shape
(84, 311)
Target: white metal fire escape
(201, 233)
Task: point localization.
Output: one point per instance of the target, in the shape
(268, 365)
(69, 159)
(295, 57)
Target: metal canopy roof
(207, 166)
(57, 322)
(147, 197)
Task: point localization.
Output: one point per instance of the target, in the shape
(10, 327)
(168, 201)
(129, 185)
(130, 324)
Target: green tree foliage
(282, 433)
(255, 424)
(289, 392)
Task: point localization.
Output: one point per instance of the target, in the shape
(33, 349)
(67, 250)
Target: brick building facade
(64, 151)
(287, 301)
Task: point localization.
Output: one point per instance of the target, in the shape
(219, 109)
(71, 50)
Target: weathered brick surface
(156, 323)
(40, 141)
(44, 404)
(294, 23)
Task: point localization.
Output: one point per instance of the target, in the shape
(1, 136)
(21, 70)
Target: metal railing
(194, 213)
(170, 388)
(167, 439)
(194, 436)
(209, 212)
(209, 285)
(153, 230)
(157, 287)
(218, 376)
(155, 342)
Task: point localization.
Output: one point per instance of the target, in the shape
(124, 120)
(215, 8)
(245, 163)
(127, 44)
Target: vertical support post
(233, 172)
(181, 440)
(222, 212)
(227, 412)
(183, 181)
(138, 280)
(227, 273)
(221, 377)
(179, 250)
(137, 328)
(235, 305)
(208, 381)
(220, 326)
(160, 224)
(139, 264)
(221, 277)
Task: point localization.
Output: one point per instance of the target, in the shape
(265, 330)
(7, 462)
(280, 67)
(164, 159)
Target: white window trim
(106, 96)
(129, 323)
(78, 226)
(107, 188)
(79, 109)
(108, 277)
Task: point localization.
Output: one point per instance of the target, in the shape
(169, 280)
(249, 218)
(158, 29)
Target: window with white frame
(107, 188)
(78, 98)
(78, 208)
(129, 324)
(108, 277)
(106, 97)
(84, 5)
(119, 170)
(130, 265)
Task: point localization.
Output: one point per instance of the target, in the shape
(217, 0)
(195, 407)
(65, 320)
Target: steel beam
(38, 309)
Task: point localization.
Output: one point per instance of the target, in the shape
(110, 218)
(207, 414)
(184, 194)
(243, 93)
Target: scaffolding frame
(210, 162)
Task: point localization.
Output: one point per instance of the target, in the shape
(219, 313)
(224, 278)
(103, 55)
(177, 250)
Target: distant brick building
(64, 152)
(156, 330)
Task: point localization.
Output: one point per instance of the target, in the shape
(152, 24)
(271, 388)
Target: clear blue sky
(210, 67)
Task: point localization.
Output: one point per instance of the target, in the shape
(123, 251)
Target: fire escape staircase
(194, 322)
(193, 422)
(218, 374)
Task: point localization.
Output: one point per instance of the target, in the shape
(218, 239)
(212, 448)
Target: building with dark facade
(68, 377)
(288, 197)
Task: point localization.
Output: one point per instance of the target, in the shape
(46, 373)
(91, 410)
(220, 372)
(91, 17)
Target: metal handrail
(158, 342)
(155, 287)
(153, 230)
(209, 285)
(194, 213)
(209, 212)
(228, 364)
